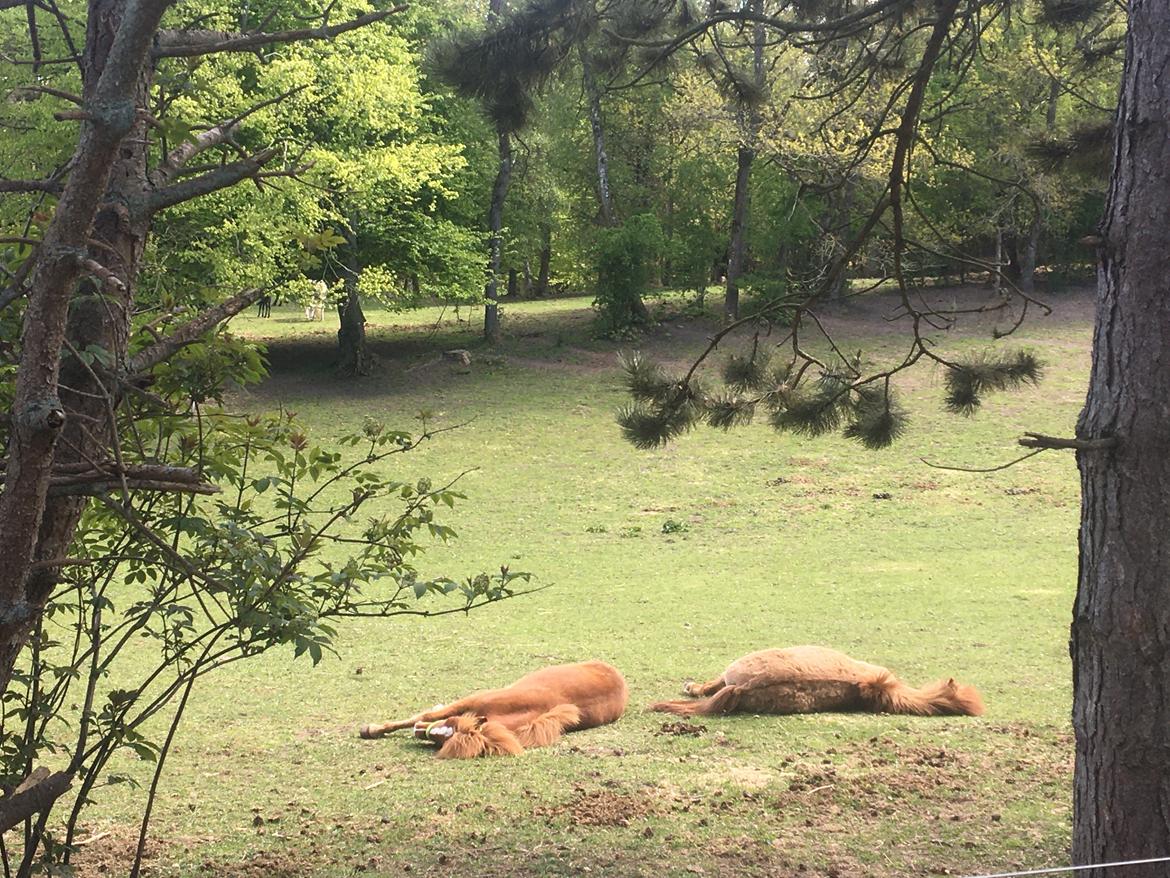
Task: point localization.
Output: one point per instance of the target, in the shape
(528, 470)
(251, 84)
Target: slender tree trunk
(1036, 229)
(491, 314)
(1121, 623)
(843, 214)
(604, 193)
(545, 260)
(737, 246)
(513, 282)
(597, 125)
(491, 311)
(746, 154)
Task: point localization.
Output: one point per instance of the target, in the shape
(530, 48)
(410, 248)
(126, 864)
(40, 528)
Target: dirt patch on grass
(602, 808)
(681, 729)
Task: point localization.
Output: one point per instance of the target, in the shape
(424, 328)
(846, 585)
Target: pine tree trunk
(545, 260)
(1121, 622)
(354, 357)
(491, 313)
(737, 247)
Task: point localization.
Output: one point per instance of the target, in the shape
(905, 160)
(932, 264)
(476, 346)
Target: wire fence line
(1063, 870)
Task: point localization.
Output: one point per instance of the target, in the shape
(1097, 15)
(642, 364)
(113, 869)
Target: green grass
(784, 543)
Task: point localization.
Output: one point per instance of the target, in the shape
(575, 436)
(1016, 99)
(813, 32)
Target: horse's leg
(723, 701)
(703, 690)
(470, 704)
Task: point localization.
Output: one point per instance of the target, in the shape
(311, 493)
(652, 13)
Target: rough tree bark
(1121, 622)
(746, 154)
(59, 412)
(354, 356)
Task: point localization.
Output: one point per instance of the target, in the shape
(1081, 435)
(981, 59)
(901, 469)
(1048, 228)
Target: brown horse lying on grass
(813, 679)
(532, 712)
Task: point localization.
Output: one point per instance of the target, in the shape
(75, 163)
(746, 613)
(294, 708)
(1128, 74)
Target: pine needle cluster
(503, 64)
(665, 406)
(968, 381)
(1085, 148)
(1065, 12)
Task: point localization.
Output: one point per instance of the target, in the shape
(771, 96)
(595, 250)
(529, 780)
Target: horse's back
(597, 688)
(795, 663)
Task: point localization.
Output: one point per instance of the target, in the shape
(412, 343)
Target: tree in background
(1120, 620)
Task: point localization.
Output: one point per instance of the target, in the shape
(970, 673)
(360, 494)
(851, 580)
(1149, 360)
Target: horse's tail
(723, 701)
(549, 726)
(887, 694)
(471, 738)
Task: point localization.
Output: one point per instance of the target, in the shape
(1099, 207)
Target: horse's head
(441, 731)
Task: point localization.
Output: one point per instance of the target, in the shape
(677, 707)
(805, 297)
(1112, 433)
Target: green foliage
(625, 260)
(172, 587)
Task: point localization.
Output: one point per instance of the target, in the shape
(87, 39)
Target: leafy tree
(119, 469)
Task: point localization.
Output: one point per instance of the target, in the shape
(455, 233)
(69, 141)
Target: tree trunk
(737, 246)
(545, 260)
(739, 221)
(1121, 623)
(604, 193)
(1036, 229)
(103, 203)
(597, 125)
(491, 312)
(513, 282)
(354, 357)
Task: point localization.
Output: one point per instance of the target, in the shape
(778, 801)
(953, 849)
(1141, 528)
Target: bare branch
(46, 90)
(192, 43)
(1039, 440)
(983, 469)
(97, 489)
(106, 276)
(38, 793)
(53, 187)
(191, 331)
(221, 178)
(178, 157)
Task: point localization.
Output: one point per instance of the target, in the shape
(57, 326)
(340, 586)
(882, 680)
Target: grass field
(772, 541)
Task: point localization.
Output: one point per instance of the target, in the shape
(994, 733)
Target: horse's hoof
(688, 687)
(366, 732)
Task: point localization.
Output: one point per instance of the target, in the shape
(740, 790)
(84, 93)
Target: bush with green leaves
(238, 536)
(625, 260)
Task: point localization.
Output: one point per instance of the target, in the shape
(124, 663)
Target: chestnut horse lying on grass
(532, 712)
(812, 679)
